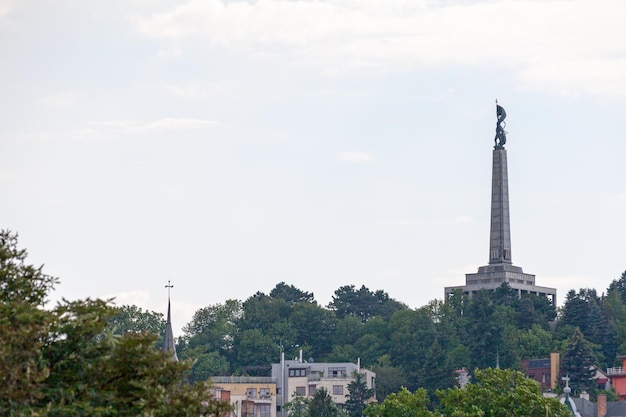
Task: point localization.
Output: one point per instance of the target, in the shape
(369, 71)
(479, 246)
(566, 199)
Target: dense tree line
(412, 348)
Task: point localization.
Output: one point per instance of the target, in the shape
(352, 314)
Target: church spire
(168, 340)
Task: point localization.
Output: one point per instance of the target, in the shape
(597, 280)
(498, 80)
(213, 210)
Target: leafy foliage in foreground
(496, 393)
(401, 404)
(23, 327)
(499, 393)
(66, 361)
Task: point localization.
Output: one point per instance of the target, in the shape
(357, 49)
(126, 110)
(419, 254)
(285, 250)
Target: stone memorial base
(490, 277)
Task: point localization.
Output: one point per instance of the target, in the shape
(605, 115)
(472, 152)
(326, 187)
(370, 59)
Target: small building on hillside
(543, 370)
(617, 376)
(462, 377)
(248, 396)
(546, 371)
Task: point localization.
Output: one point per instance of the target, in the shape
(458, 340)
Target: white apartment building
(297, 376)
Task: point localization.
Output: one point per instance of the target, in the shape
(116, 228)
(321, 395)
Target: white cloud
(463, 219)
(616, 201)
(182, 313)
(172, 124)
(170, 53)
(198, 89)
(569, 46)
(407, 223)
(116, 128)
(5, 7)
(567, 76)
(59, 99)
(355, 157)
(134, 126)
(138, 298)
(456, 275)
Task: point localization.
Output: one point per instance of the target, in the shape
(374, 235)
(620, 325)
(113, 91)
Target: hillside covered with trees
(412, 348)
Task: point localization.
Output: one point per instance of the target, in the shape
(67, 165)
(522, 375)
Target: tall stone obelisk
(500, 269)
(500, 236)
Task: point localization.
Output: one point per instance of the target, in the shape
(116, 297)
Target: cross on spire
(566, 378)
(169, 286)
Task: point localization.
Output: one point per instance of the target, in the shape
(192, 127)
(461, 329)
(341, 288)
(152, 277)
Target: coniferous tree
(484, 331)
(358, 396)
(322, 405)
(596, 322)
(438, 374)
(577, 311)
(615, 311)
(619, 286)
(577, 364)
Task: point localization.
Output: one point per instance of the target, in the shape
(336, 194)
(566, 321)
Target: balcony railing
(243, 380)
(615, 371)
(260, 396)
(317, 378)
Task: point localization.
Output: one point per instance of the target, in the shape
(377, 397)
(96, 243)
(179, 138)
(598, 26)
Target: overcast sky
(231, 145)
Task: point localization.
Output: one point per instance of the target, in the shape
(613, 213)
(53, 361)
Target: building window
(251, 393)
(297, 372)
(301, 391)
(312, 389)
(263, 410)
(337, 389)
(538, 363)
(337, 371)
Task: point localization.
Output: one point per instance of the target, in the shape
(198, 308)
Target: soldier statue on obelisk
(500, 125)
(500, 269)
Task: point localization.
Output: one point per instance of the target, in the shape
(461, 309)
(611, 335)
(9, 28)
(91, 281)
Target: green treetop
(499, 393)
(66, 361)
